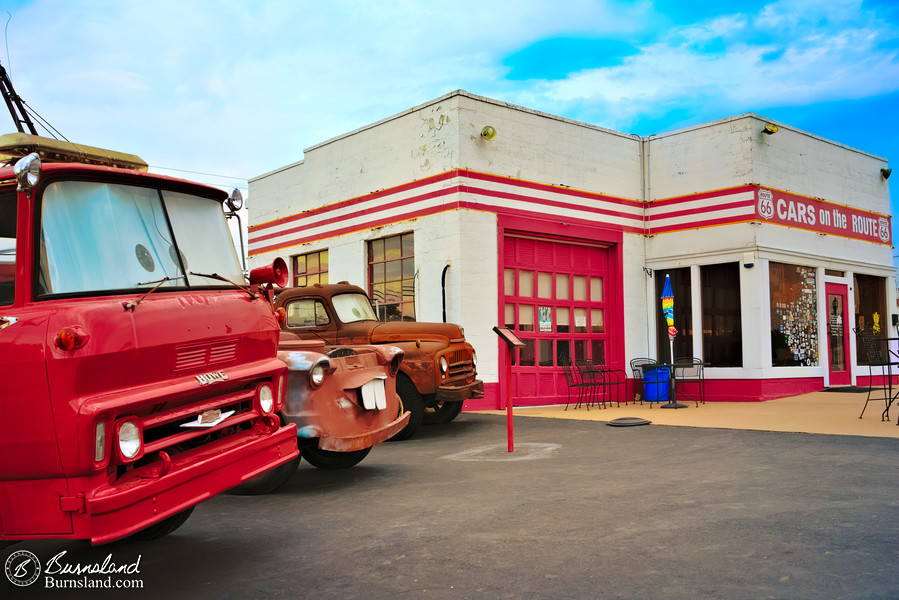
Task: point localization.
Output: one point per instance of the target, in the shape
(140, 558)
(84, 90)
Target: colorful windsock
(668, 307)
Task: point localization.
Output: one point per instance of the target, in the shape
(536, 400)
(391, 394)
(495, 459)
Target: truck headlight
(129, 439)
(266, 397)
(317, 375)
(444, 365)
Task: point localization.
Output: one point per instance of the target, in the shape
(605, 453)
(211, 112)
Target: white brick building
(564, 231)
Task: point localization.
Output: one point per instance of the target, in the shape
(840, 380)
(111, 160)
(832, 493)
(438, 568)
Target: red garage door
(556, 298)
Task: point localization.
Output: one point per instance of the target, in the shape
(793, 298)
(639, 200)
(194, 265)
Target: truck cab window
(7, 247)
(307, 313)
(353, 307)
(99, 237)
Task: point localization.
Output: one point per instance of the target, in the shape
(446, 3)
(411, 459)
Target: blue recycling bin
(655, 384)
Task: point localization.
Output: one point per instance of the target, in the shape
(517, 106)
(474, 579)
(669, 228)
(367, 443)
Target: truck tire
(327, 459)
(413, 402)
(163, 528)
(444, 412)
(268, 482)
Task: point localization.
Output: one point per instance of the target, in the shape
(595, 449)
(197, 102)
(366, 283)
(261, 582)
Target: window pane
(379, 293)
(563, 321)
(525, 318)
(378, 273)
(8, 201)
(510, 316)
(393, 248)
(301, 282)
(683, 314)
(527, 354)
(580, 320)
(544, 285)
(562, 287)
(377, 250)
(580, 350)
(722, 331)
(526, 283)
(312, 263)
(598, 351)
(301, 264)
(596, 321)
(563, 352)
(408, 267)
(509, 282)
(580, 287)
(393, 270)
(596, 289)
(546, 353)
(408, 311)
(794, 318)
(870, 308)
(408, 246)
(323, 260)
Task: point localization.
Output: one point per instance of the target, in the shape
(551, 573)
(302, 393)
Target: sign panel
(775, 206)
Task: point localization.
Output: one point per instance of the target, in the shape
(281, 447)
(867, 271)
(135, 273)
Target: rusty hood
(404, 331)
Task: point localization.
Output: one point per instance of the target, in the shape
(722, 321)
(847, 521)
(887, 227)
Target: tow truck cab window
(307, 312)
(99, 237)
(7, 246)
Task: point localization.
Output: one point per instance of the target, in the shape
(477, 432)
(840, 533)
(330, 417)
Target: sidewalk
(833, 413)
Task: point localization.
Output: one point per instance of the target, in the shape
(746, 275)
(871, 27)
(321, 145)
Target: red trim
(703, 196)
(716, 390)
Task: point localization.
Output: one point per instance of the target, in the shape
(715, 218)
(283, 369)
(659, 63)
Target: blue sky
(238, 88)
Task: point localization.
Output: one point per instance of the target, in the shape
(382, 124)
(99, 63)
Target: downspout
(645, 190)
(443, 288)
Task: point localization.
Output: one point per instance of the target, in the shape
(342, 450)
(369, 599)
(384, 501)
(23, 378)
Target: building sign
(782, 208)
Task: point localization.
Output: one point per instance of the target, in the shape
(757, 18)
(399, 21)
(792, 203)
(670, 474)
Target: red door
(556, 299)
(837, 335)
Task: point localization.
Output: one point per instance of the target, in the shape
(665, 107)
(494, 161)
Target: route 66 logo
(884, 230)
(766, 204)
(22, 568)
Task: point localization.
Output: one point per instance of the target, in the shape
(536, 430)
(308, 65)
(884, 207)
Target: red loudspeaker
(274, 273)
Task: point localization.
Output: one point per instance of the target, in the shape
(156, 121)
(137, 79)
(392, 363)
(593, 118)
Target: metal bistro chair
(614, 383)
(689, 370)
(591, 376)
(878, 358)
(572, 379)
(637, 366)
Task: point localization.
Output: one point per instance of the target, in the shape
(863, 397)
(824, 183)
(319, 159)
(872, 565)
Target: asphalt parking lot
(579, 510)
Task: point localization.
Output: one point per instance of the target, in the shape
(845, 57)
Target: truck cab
(139, 370)
(439, 369)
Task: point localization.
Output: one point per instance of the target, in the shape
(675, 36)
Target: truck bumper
(459, 393)
(365, 440)
(145, 497)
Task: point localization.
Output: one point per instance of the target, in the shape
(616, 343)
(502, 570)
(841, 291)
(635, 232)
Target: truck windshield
(102, 237)
(353, 307)
(7, 246)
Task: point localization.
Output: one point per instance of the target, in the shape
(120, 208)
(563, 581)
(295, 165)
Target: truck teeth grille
(208, 354)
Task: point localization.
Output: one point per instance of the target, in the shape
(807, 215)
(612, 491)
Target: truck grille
(460, 364)
(195, 357)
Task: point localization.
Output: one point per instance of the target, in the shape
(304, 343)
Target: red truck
(439, 369)
(140, 371)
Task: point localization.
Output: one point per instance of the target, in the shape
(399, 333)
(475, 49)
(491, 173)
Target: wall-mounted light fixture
(488, 133)
(648, 271)
(885, 173)
(748, 260)
(769, 128)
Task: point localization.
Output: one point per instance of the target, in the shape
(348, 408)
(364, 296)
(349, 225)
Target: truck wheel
(442, 413)
(163, 528)
(268, 482)
(327, 459)
(413, 402)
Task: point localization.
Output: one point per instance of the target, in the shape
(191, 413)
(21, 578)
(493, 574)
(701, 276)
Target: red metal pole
(511, 434)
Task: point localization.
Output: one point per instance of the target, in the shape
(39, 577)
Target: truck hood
(404, 331)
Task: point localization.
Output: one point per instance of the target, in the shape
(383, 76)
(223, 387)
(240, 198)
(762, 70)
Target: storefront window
(870, 307)
(309, 269)
(683, 314)
(391, 277)
(794, 315)
(722, 330)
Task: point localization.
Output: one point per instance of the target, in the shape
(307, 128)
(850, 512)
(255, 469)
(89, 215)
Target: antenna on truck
(15, 105)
